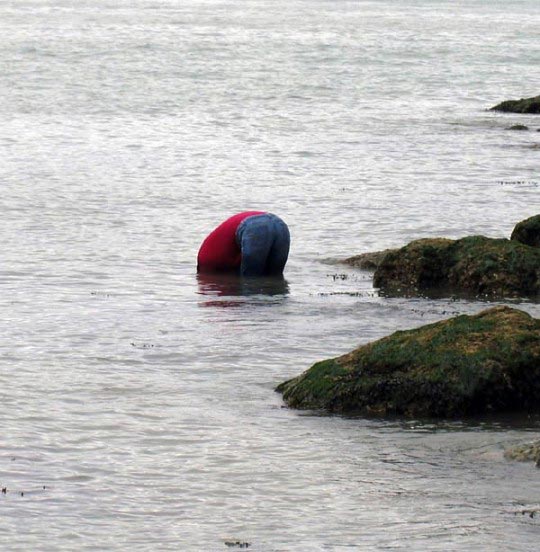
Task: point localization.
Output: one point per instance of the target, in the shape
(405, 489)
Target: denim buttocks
(264, 241)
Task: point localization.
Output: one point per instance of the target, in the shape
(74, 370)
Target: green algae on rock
(524, 105)
(524, 452)
(528, 231)
(475, 264)
(463, 366)
(367, 261)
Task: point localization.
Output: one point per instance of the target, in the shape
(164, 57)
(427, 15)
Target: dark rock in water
(518, 127)
(367, 261)
(463, 366)
(524, 452)
(525, 105)
(476, 265)
(528, 231)
(418, 265)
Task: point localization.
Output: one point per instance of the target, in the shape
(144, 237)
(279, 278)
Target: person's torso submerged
(219, 252)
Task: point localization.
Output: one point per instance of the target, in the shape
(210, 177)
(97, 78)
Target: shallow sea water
(138, 407)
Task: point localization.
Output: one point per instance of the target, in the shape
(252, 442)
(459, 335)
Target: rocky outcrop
(524, 105)
(367, 261)
(471, 266)
(475, 265)
(528, 231)
(524, 452)
(463, 366)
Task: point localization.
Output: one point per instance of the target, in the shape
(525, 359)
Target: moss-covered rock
(524, 452)
(528, 231)
(524, 105)
(467, 365)
(367, 261)
(476, 265)
(419, 265)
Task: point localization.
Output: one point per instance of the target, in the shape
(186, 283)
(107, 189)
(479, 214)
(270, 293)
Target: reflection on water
(232, 285)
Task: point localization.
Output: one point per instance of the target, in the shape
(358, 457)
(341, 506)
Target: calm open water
(138, 410)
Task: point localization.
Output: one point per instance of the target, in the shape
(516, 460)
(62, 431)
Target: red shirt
(219, 252)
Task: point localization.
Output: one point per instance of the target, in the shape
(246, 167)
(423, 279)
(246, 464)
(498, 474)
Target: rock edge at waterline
(527, 231)
(524, 452)
(467, 365)
(524, 105)
(474, 265)
(483, 267)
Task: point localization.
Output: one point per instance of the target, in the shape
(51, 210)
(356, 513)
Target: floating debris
(142, 345)
(531, 513)
(338, 276)
(237, 544)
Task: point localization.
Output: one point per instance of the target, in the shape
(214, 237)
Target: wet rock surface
(525, 452)
(527, 231)
(463, 366)
(367, 261)
(523, 105)
(518, 127)
(476, 265)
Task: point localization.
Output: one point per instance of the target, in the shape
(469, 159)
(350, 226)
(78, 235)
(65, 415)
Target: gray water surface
(138, 407)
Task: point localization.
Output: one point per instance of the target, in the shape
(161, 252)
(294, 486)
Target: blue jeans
(264, 241)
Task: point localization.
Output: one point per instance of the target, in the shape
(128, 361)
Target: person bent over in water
(253, 243)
